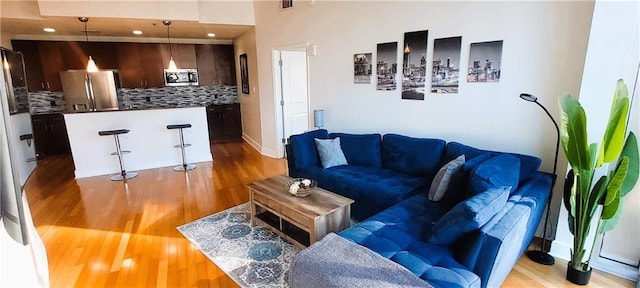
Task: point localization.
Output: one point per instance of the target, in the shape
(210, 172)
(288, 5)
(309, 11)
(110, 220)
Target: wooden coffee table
(300, 220)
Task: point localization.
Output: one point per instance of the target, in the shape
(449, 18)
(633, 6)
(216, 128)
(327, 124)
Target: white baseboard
(273, 153)
(563, 251)
(252, 142)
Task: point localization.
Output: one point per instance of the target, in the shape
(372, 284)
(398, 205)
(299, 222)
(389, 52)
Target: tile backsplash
(43, 102)
(178, 96)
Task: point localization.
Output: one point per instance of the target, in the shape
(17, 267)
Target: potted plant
(583, 197)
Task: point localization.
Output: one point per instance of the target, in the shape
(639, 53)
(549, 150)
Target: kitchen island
(150, 142)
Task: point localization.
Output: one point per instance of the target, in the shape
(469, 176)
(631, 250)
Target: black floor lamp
(542, 257)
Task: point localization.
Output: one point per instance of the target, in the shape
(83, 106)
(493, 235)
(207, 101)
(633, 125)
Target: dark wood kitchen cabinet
(43, 63)
(32, 64)
(50, 135)
(216, 64)
(52, 64)
(224, 122)
(225, 64)
(140, 65)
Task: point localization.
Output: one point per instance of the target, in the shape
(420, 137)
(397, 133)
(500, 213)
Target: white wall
(543, 54)
(612, 54)
(249, 103)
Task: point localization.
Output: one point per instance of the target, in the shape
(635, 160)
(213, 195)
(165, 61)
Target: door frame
(277, 92)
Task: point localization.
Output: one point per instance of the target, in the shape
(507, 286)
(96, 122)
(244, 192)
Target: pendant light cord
(168, 23)
(86, 37)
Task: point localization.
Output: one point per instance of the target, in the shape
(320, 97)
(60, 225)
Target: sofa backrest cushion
(361, 149)
(457, 189)
(413, 156)
(498, 171)
(304, 148)
(468, 216)
(528, 164)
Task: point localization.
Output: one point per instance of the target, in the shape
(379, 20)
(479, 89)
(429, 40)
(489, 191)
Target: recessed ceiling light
(49, 29)
(211, 34)
(137, 32)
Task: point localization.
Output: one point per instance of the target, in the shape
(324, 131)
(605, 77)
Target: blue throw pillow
(496, 172)
(468, 215)
(330, 152)
(361, 149)
(304, 148)
(413, 156)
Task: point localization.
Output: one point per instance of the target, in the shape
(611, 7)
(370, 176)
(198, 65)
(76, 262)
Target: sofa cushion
(330, 152)
(361, 149)
(457, 189)
(413, 156)
(443, 177)
(304, 148)
(496, 172)
(373, 188)
(528, 164)
(398, 233)
(468, 215)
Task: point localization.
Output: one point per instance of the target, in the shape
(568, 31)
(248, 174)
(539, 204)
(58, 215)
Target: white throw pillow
(441, 181)
(330, 152)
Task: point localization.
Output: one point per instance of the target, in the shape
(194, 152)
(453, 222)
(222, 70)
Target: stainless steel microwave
(181, 77)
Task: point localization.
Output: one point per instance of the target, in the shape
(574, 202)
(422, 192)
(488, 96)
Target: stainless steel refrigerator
(95, 91)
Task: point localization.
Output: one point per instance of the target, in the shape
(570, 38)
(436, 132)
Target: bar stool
(124, 175)
(184, 166)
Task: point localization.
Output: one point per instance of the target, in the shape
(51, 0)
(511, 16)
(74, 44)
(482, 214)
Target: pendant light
(91, 65)
(172, 64)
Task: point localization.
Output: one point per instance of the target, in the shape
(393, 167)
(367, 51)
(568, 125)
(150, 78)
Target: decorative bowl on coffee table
(300, 187)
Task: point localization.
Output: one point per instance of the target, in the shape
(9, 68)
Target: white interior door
(295, 98)
(621, 244)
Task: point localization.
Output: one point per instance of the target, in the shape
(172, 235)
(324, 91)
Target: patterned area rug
(251, 256)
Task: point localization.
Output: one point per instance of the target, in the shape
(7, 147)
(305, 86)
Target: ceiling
(106, 29)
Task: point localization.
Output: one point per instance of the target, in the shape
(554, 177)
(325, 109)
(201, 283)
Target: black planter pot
(577, 276)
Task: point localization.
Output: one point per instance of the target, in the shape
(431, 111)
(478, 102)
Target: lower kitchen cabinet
(50, 135)
(225, 122)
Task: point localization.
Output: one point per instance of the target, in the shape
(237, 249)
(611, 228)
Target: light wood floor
(101, 233)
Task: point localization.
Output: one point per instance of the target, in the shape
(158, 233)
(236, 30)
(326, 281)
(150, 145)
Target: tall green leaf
(619, 174)
(630, 150)
(573, 133)
(613, 139)
(608, 224)
(597, 195)
(609, 210)
(568, 185)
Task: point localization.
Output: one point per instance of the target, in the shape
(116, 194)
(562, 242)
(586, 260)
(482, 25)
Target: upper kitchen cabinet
(43, 62)
(216, 64)
(52, 64)
(32, 64)
(225, 64)
(183, 54)
(140, 65)
(76, 54)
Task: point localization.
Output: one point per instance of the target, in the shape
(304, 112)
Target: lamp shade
(91, 65)
(318, 118)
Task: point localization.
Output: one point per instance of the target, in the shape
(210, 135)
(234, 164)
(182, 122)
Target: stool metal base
(184, 167)
(127, 175)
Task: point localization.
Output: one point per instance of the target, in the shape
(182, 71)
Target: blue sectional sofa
(472, 236)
